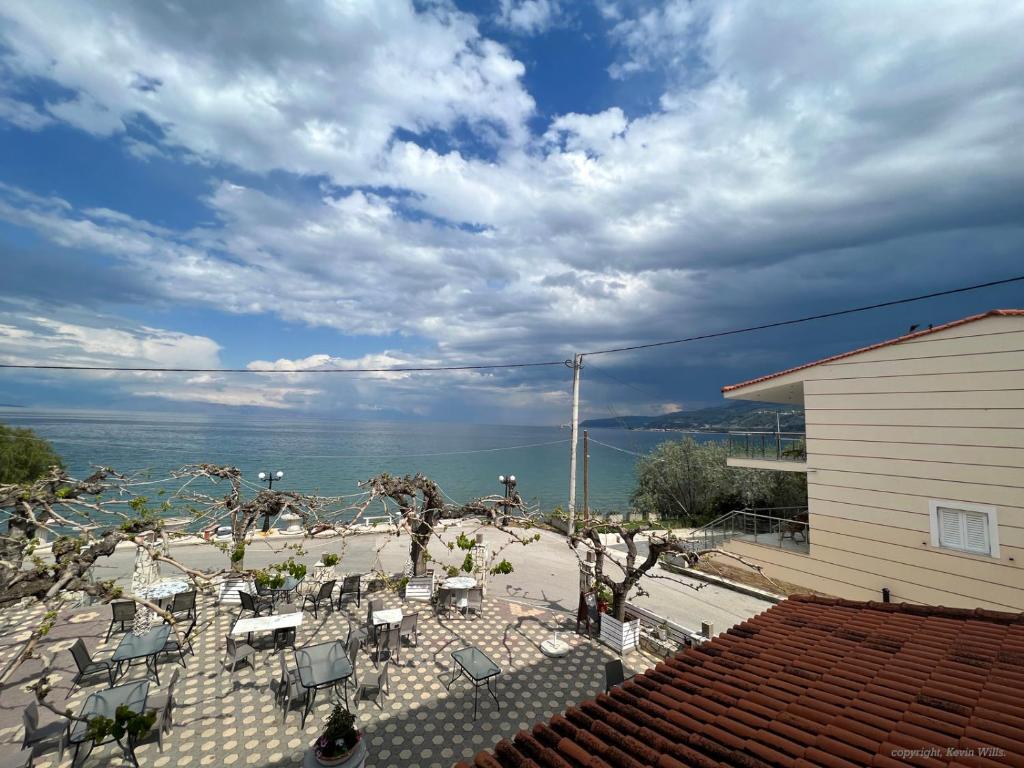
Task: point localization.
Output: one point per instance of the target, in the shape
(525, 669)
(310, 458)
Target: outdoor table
(389, 616)
(145, 646)
(271, 623)
(460, 586)
(289, 585)
(478, 667)
(320, 666)
(163, 590)
(132, 695)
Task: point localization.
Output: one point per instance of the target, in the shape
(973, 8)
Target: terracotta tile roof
(812, 681)
(906, 337)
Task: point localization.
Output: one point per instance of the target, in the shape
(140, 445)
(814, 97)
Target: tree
(24, 456)
(421, 507)
(690, 480)
(631, 567)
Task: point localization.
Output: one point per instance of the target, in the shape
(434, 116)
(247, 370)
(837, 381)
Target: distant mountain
(733, 417)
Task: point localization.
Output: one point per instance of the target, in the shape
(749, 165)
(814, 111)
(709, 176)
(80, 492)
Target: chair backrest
(231, 644)
(30, 717)
(613, 673)
(124, 610)
(382, 675)
(183, 601)
(444, 597)
(353, 650)
(376, 604)
(392, 637)
(409, 622)
(351, 583)
(174, 679)
(284, 666)
(81, 655)
(326, 589)
(476, 596)
(261, 589)
(248, 604)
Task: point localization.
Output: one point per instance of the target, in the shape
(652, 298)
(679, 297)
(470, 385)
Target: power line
(807, 319)
(408, 369)
(538, 364)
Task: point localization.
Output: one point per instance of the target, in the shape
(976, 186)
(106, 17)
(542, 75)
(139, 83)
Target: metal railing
(773, 526)
(770, 446)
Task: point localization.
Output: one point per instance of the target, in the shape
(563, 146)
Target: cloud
(797, 156)
(314, 88)
(529, 17)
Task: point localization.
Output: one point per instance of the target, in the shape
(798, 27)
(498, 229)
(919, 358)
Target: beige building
(915, 468)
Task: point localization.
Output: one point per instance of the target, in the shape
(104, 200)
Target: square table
(275, 623)
(132, 695)
(145, 646)
(478, 667)
(389, 616)
(321, 666)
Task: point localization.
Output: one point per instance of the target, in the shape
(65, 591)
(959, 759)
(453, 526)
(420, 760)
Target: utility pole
(577, 363)
(586, 478)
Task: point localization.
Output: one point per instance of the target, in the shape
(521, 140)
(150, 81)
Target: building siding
(940, 417)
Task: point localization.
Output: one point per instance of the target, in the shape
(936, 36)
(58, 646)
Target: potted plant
(340, 740)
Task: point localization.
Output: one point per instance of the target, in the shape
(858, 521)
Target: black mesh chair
(254, 604)
(351, 586)
(123, 612)
(87, 667)
(324, 593)
(184, 603)
(173, 645)
(614, 674)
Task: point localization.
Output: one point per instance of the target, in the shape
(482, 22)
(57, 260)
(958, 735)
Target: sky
(387, 183)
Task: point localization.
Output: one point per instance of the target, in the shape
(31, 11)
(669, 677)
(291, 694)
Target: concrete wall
(891, 430)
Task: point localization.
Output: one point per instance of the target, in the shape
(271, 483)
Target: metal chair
(36, 735)
(164, 702)
(389, 640)
(376, 604)
(353, 656)
(185, 603)
(237, 652)
(409, 627)
(288, 688)
(324, 593)
(444, 602)
(284, 637)
(254, 604)
(379, 685)
(174, 646)
(475, 600)
(351, 585)
(123, 611)
(614, 674)
(87, 666)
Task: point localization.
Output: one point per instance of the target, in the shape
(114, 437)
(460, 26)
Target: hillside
(738, 416)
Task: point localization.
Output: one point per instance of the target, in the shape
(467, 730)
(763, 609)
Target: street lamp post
(269, 478)
(510, 485)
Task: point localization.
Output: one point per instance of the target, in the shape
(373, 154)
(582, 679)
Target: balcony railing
(783, 527)
(768, 446)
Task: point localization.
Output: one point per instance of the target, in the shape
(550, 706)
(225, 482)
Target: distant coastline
(734, 417)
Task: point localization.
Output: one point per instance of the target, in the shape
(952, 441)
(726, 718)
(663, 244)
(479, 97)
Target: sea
(330, 457)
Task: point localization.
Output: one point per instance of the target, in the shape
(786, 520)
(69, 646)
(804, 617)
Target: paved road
(546, 573)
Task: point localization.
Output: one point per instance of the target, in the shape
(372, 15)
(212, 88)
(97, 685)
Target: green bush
(24, 456)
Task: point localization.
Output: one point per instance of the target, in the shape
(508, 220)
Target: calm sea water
(331, 457)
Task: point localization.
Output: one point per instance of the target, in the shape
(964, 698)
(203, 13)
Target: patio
(224, 718)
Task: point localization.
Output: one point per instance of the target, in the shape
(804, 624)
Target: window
(965, 527)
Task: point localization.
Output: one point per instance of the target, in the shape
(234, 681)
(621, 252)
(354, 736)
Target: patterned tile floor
(232, 719)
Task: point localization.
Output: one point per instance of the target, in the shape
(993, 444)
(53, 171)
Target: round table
(460, 586)
(164, 589)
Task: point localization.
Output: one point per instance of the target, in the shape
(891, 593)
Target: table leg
(155, 673)
(476, 696)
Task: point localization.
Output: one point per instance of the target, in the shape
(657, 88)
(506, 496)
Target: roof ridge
(983, 614)
(878, 345)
